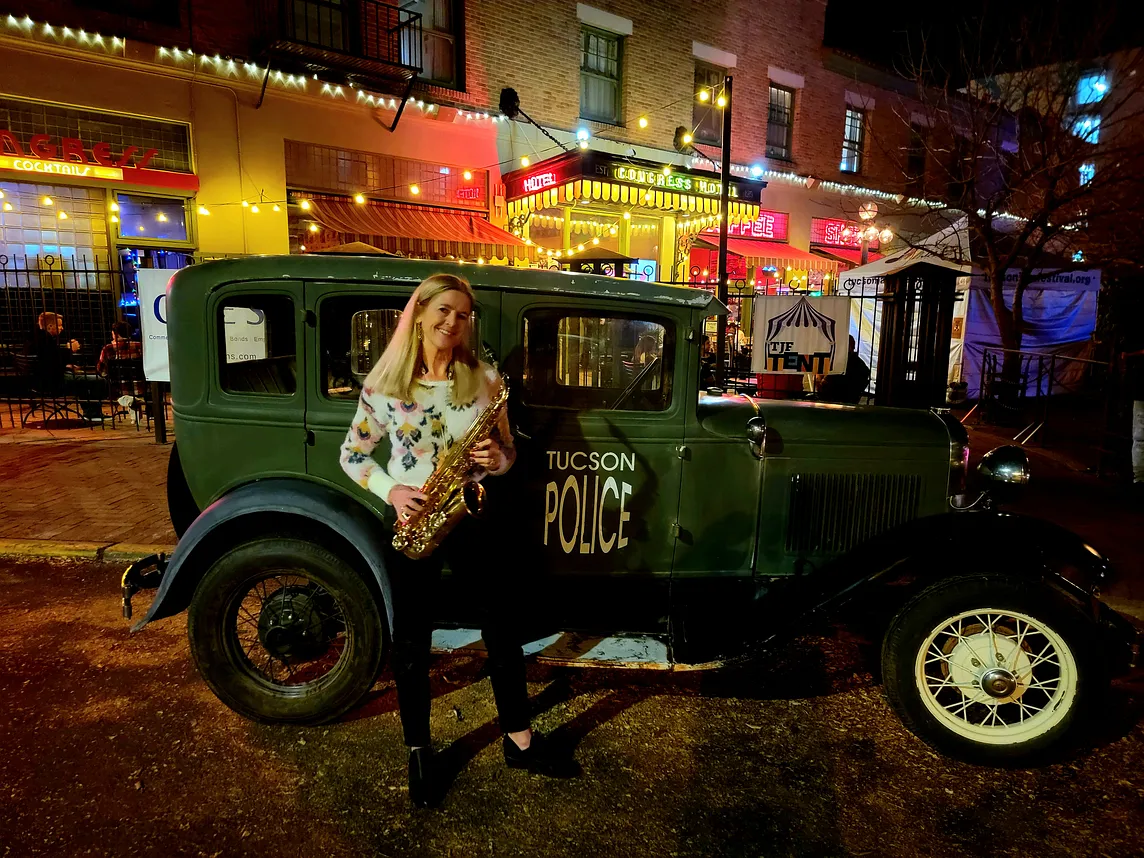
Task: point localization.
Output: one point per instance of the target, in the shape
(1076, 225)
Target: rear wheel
(285, 631)
(992, 670)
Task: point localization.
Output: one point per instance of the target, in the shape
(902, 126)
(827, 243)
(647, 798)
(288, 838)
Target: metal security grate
(832, 513)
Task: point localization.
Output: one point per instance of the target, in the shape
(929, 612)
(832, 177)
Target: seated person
(847, 386)
(121, 347)
(54, 372)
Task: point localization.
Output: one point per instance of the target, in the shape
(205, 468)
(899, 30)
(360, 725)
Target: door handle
(311, 439)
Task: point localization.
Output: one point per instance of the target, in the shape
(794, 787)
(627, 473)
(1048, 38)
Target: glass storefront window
(72, 225)
(152, 218)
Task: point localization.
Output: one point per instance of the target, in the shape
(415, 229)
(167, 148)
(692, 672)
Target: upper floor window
(1087, 172)
(440, 25)
(706, 116)
(780, 123)
(600, 75)
(1086, 126)
(1092, 87)
(916, 161)
(853, 139)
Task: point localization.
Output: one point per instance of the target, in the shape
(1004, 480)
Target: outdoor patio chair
(51, 402)
(127, 391)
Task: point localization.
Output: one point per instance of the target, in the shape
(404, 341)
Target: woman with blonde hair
(425, 391)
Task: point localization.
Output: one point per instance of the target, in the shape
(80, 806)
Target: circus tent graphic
(800, 334)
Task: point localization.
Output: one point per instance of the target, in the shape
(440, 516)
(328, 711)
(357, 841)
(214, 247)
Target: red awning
(850, 257)
(418, 231)
(772, 253)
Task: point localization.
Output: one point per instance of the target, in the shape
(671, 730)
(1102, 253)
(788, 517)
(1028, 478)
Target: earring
(418, 332)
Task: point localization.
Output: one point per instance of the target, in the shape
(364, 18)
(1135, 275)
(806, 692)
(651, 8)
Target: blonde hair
(396, 372)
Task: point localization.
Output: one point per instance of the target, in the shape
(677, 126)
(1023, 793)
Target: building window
(1087, 172)
(600, 64)
(440, 21)
(916, 161)
(706, 116)
(152, 11)
(853, 139)
(780, 123)
(1092, 87)
(1086, 126)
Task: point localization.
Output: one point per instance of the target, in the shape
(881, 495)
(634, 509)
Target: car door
(599, 425)
(352, 322)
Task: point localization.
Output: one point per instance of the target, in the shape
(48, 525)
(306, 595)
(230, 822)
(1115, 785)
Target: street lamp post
(724, 193)
(869, 231)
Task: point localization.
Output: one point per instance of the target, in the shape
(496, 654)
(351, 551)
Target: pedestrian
(849, 385)
(1133, 364)
(425, 391)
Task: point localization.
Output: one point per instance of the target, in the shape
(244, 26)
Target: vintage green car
(646, 506)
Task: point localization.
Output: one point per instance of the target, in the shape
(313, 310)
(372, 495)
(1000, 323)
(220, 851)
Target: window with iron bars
(780, 123)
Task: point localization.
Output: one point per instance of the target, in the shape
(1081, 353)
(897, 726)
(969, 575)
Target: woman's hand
(488, 455)
(407, 501)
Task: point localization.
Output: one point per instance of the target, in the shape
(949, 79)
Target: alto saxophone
(449, 493)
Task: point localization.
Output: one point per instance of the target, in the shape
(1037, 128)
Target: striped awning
(418, 231)
(847, 256)
(649, 198)
(771, 254)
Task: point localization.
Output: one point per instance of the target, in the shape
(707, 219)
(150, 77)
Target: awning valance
(419, 232)
(771, 254)
(623, 195)
(846, 255)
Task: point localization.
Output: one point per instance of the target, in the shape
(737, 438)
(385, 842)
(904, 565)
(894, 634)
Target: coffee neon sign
(771, 226)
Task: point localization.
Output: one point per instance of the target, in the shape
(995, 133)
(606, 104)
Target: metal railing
(1035, 389)
(364, 29)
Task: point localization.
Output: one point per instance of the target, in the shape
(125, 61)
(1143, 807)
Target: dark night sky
(895, 29)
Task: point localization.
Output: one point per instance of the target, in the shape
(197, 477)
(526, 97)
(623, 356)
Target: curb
(126, 552)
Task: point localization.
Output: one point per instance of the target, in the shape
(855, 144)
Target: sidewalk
(96, 493)
(102, 493)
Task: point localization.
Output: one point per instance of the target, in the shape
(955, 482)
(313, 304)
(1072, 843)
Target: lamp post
(869, 231)
(724, 101)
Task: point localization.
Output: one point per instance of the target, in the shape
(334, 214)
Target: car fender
(965, 542)
(265, 505)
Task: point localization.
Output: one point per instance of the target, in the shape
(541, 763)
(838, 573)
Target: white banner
(798, 334)
(245, 334)
(153, 318)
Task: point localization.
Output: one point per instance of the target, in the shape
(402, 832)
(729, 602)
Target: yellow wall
(227, 131)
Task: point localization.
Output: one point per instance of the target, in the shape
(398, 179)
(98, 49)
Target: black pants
(486, 575)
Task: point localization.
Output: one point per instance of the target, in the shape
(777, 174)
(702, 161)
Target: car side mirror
(1006, 473)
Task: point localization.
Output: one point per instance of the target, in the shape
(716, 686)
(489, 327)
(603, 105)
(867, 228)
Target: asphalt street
(113, 746)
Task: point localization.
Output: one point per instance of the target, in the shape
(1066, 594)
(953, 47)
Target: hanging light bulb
(305, 204)
(47, 201)
(203, 210)
(721, 101)
(595, 241)
(313, 227)
(666, 169)
(524, 162)
(115, 218)
(245, 204)
(687, 138)
(413, 189)
(63, 215)
(614, 230)
(254, 209)
(468, 174)
(114, 207)
(359, 199)
(7, 206)
(277, 208)
(627, 215)
(643, 122)
(887, 235)
(704, 95)
(1, 194)
(161, 217)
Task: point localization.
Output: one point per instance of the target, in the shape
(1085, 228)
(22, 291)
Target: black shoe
(541, 757)
(423, 782)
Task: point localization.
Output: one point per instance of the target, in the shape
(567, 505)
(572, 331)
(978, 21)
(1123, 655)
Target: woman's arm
(356, 453)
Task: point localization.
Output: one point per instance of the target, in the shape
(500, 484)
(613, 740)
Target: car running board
(577, 649)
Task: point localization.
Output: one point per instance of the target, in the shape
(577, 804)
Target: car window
(353, 332)
(600, 361)
(258, 345)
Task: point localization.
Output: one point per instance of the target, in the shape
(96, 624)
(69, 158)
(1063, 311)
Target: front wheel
(285, 631)
(992, 670)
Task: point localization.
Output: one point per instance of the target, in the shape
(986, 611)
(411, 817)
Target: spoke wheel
(285, 631)
(996, 676)
(993, 669)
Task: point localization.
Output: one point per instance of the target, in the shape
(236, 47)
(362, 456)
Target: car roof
(208, 275)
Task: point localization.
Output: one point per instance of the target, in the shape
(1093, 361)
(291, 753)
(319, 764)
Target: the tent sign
(800, 334)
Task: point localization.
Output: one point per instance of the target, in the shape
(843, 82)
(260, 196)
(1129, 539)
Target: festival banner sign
(795, 334)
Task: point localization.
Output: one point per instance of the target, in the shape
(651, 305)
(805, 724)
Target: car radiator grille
(832, 513)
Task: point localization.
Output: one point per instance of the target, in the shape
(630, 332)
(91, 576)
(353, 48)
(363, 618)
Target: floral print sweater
(419, 432)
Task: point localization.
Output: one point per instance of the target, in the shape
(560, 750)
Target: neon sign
(60, 168)
(837, 233)
(772, 226)
(473, 193)
(538, 182)
(678, 182)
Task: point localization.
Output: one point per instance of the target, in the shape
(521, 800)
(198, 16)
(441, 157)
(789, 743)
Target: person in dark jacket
(847, 386)
(55, 374)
